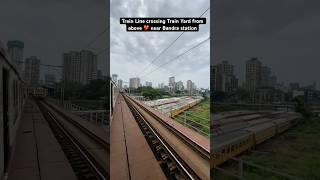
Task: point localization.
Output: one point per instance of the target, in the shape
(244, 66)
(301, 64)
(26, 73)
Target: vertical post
(240, 168)
(97, 118)
(63, 93)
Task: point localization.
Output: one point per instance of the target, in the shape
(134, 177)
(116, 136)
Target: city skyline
(177, 82)
(132, 52)
(272, 74)
(284, 41)
(55, 33)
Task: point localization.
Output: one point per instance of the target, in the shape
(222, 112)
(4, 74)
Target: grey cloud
(283, 33)
(52, 27)
(134, 50)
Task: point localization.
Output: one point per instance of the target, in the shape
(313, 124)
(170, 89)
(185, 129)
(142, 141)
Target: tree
(301, 107)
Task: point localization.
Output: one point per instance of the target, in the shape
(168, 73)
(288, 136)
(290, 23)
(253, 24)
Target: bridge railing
(98, 117)
(196, 123)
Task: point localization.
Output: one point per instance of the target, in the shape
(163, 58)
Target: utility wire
(95, 38)
(175, 58)
(167, 47)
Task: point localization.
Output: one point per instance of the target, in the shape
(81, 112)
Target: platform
(37, 154)
(131, 155)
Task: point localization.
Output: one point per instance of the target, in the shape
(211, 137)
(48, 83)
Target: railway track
(82, 156)
(179, 156)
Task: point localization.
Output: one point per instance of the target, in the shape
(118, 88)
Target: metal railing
(194, 122)
(241, 168)
(98, 117)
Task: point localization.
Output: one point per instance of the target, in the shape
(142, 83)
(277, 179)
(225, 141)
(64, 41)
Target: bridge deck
(101, 132)
(130, 152)
(37, 154)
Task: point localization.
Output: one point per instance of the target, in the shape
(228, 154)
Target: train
(38, 92)
(182, 109)
(12, 99)
(249, 138)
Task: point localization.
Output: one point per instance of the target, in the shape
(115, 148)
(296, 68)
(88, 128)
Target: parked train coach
(12, 99)
(234, 143)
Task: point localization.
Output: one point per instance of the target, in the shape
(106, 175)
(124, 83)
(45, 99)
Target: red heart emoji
(146, 27)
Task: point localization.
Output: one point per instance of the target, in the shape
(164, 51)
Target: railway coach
(237, 142)
(12, 99)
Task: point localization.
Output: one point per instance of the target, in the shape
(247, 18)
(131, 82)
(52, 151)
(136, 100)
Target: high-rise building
(15, 51)
(134, 83)
(120, 82)
(32, 71)
(80, 66)
(253, 74)
(223, 77)
(114, 77)
(171, 81)
(194, 86)
(225, 68)
(71, 66)
(189, 86)
(148, 84)
(180, 86)
(88, 66)
(50, 80)
(161, 85)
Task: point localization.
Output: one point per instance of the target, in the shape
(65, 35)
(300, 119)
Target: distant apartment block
(120, 83)
(15, 51)
(161, 85)
(180, 86)
(134, 83)
(32, 71)
(190, 86)
(80, 66)
(148, 84)
(114, 77)
(253, 74)
(223, 78)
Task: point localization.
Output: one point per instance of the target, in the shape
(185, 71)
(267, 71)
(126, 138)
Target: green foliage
(151, 93)
(95, 90)
(302, 108)
(296, 152)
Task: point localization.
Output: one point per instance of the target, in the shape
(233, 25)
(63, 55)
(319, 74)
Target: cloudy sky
(132, 52)
(51, 27)
(284, 34)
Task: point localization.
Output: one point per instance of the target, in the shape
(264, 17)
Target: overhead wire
(164, 50)
(177, 57)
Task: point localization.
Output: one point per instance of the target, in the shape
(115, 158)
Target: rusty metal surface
(130, 153)
(198, 162)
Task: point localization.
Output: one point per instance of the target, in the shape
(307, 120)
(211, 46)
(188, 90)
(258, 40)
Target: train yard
(238, 131)
(86, 150)
(174, 106)
(175, 151)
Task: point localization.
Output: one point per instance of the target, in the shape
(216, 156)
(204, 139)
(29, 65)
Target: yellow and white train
(243, 140)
